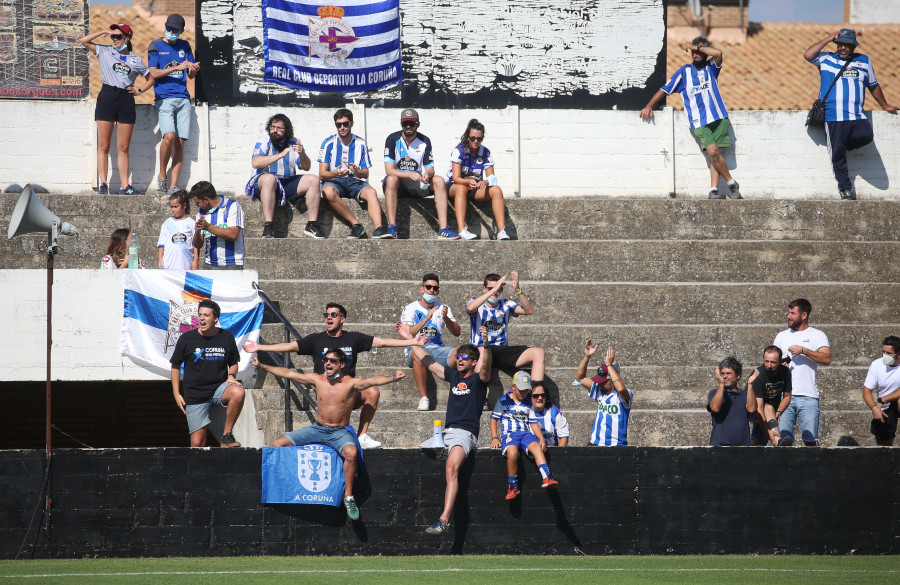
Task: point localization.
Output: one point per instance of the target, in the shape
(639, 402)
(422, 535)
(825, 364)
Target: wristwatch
(140, 90)
(879, 400)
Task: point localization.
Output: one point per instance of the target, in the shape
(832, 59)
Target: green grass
(455, 570)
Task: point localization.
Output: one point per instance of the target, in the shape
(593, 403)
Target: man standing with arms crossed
(808, 348)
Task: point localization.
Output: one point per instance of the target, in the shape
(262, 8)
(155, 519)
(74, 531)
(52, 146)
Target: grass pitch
(453, 570)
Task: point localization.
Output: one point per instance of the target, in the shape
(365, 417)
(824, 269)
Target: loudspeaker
(31, 215)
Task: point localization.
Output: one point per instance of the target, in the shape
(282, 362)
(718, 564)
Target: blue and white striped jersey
(514, 416)
(700, 93)
(496, 319)
(336, 154)
(283, 167)
(847, 97)
(471, 165)
(219, 251)
(414, 157)
(610, 426)
(554, 425)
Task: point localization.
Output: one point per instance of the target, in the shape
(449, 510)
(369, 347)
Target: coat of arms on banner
(182, 317)
(331, 38)
(314, 467)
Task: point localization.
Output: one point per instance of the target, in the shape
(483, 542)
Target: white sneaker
(367, 442)
(502, 235)
(424, 403)
(466, 234)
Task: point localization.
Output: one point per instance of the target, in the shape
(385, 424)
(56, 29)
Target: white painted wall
(560, 152)
(874, 12)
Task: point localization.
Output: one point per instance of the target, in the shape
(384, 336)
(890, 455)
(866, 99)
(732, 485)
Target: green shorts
(714, 133)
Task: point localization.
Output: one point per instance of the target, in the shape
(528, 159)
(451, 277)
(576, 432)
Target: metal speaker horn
(31, 215)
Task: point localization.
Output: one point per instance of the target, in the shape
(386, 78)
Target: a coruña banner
(350, 46)
(309, 474)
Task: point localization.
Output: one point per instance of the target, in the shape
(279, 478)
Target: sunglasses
(409, 124)
(172, 30)
(536, 396)
(342, 124)
(117, 37)
(462, 356)
(331, 360)
(331, 314)
(476, 138)
(434, 287)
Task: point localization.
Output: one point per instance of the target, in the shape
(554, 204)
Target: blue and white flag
(318, 46)
(309, 474)
(160, 305)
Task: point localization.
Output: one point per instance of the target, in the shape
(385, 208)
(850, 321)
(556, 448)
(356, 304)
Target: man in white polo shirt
(807, 347)
(881, 391)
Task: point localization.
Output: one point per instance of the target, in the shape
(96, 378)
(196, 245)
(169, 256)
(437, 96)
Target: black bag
(816, 115)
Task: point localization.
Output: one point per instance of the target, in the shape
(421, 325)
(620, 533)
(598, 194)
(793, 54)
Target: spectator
(513, 410)
(277, 159)
(428, 317)
(468, 391)
(808, 347)
(846, 125)
(554, 425)
(119, 69)
(494, 312)
(881, 391)
(175, 247)
(344, 165)
(471, 176)
(351, 343)
(117, 252)
(728, 407)
(614, 400)
(336, 392)
(172, 63)
(210, 358)
(409, 172)
(697, 83)
(223, 231)
(769, 394)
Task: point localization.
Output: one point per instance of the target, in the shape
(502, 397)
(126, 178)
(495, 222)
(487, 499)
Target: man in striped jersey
(846, 126)
(614, 400)
(344, 165)
(220, 222)
(697, 83)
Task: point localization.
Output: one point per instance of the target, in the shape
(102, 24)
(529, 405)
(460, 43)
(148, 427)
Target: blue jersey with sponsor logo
(554, 425)
(284, 167)
(700, 93)
(513, 416)
(471, 165)
(414, 157)
(610, 426)
(162, 55)
(335, 154)
(495, 318)
(219, 251)
(847, 97)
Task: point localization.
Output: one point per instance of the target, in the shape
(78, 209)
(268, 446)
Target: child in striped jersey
(614, 400)
(520, 430)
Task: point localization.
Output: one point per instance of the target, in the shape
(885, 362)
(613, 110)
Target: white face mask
(493, 301)
(337, 374)
(888, 360)
(172, 37)
(429, 298)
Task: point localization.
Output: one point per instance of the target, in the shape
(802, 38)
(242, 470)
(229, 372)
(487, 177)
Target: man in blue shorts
(344, 165)
(336, 395)
(171, 63)
(697, 83)
(520, 431)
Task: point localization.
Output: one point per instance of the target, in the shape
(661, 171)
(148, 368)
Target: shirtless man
(337, 394)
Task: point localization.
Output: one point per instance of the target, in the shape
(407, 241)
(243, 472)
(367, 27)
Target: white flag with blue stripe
(160, 305)
(317, 46)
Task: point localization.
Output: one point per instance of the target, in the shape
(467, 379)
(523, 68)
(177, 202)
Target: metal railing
(284, 361)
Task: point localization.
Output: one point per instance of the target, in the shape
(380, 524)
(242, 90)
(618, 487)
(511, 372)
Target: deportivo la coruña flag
(350, 46)
(309, 474)
(160, 305)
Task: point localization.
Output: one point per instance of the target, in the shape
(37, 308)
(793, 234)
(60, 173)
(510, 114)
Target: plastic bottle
(133, 249)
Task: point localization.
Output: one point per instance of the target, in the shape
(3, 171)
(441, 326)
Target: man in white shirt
(807, 347)
(881, 391)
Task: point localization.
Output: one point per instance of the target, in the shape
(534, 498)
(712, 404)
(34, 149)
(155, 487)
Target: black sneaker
(103, 189)
(127, 190)
(357, 231)
(228, 440)
(848, 195)
(268, 230)
(438, 527)
(382, 233)
(785, 441)
(734, 191)
(312, 230)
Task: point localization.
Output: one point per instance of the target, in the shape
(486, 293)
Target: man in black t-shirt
(210, 358)
(468, 390)
(351, 343)
(769, 394)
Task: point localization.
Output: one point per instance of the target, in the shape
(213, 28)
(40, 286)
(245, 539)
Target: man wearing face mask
(429, 317)
(171, 65)
(881, 391)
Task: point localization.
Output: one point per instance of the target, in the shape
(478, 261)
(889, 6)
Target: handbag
(816, 115)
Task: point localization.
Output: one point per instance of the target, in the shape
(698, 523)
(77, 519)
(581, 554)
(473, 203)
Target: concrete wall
(539, 153)
(874, 12)
(623, 500)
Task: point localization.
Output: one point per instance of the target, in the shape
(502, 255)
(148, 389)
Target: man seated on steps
(351, 343)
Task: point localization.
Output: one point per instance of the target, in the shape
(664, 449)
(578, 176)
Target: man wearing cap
(697, 83)
(409, 172)
(846, 125)
(520, 430)
(171, 63)
(614, 400)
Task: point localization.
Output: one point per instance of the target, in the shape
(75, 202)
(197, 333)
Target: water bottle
(133, 261)
(438, 440)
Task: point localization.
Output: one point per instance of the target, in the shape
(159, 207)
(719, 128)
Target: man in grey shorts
(468, 389)
(336, 393)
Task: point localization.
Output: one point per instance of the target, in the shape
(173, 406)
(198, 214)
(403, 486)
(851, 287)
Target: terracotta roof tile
(768, 71)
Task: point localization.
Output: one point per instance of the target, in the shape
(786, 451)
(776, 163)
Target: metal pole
(288, 419)
(48, 501)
